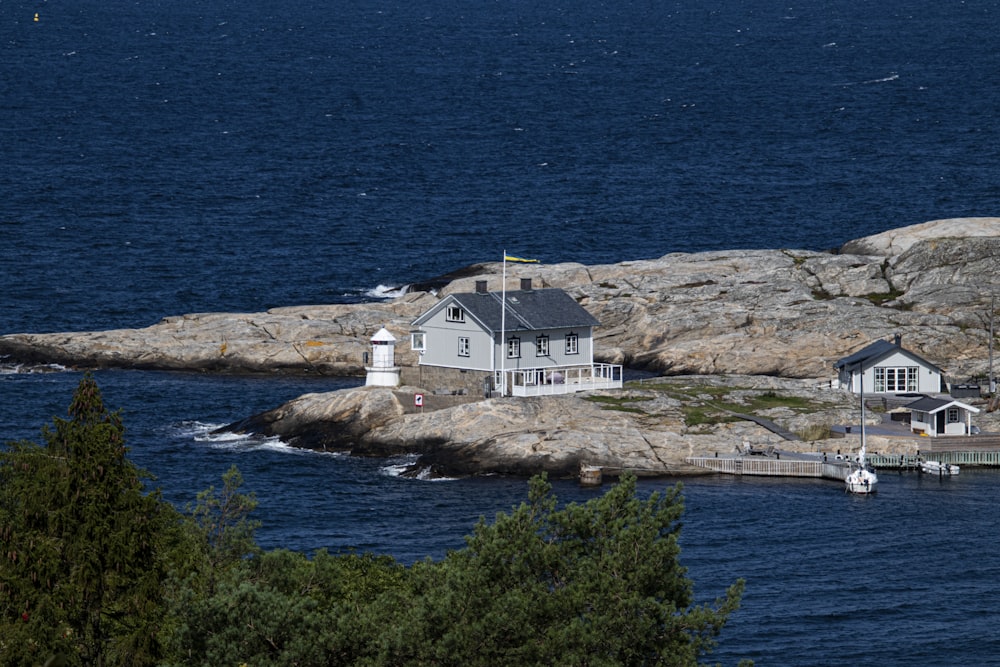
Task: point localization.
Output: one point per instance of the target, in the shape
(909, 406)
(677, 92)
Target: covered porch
(555, 380)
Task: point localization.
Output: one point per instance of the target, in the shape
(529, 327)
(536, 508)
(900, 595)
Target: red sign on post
(418, 400)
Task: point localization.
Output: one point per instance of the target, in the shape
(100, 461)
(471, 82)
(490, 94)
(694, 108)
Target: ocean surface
(160, 158)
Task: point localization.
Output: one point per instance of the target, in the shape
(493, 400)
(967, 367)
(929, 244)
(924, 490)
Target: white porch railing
(563, 379)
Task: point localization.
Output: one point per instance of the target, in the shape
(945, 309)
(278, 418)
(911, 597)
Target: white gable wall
(928, 379)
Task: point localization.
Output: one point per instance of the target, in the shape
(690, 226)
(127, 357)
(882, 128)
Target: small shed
(940, 416)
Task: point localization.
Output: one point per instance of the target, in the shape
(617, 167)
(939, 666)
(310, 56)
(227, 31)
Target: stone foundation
(444, 381)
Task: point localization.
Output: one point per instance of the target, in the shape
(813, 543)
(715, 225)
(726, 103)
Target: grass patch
(620, 403)
(882, 298)
(816, 432)
(706, 405)
(705, 415)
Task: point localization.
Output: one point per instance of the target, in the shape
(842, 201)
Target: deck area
(557, 380)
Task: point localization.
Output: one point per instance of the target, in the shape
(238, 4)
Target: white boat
(861, 479)
(939, 468)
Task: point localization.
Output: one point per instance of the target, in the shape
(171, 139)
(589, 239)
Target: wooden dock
(987, 458)
(766, 466)
(791, 464)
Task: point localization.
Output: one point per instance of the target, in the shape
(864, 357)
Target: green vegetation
(94, 570)
(882, 298)
(620, 403)
(706, 405)
(816, 432)
(798, 259)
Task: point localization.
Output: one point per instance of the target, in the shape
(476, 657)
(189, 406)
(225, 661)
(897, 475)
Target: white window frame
(542, 346)
(463, 346)
(572, 343)
(513, 347)
(454, 313)
(896, 379)
(953, 416)
(418, 341)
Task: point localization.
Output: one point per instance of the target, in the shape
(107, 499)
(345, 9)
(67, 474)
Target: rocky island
(743, 330)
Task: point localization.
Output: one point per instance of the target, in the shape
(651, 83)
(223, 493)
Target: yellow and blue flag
(511, 258)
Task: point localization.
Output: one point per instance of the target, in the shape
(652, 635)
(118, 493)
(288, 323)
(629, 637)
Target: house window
(513, 348)
(895, 380)
(418, 341)
(455, 314)
(463, 346)
(542, 346)
(572, 344)
(952, 415)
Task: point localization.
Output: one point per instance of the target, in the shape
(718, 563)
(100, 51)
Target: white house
(886, 368)
(543, 344)
(940, 416)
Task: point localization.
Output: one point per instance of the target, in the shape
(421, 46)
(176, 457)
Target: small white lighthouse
(383, 372)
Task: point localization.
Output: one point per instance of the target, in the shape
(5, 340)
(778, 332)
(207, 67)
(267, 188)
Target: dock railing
(759, 465)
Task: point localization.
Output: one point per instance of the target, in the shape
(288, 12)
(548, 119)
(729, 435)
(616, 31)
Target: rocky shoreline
(771, 315)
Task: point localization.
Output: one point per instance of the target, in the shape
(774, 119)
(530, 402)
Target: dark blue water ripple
(165, 158)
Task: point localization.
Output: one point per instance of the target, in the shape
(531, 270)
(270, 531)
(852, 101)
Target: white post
(993, 382)
(503, 327)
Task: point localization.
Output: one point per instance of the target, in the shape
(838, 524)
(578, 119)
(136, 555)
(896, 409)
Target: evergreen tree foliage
(81, 566)
(282, 608)
(96, 571)
(223, 521)
(592, 584)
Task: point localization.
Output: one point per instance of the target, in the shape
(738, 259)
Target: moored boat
(939, 468)
(861, 478)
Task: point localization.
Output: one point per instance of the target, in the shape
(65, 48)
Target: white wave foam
(209, 433)
(14, 369)
(386, 292)
(405, 464)
(891, 77)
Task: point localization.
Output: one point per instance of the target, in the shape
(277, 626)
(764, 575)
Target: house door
(940, 423)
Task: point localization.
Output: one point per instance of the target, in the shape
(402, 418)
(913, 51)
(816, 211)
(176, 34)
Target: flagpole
(503, 327)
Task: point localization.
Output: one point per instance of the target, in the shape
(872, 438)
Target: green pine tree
(83, 545)
(592, 584)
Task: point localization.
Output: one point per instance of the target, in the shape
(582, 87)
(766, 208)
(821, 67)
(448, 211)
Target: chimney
(480, 287)
(526, 284)
(898, 339)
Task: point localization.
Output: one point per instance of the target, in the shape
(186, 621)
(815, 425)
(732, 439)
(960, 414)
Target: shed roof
(935, 405)
(527, 310)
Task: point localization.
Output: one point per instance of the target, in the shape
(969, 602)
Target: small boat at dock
(939, 468)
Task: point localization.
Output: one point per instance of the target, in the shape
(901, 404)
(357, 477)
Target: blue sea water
(161, 158)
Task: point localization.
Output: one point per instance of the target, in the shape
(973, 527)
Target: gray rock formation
(774, 315)
(790, 313)
(649, 429)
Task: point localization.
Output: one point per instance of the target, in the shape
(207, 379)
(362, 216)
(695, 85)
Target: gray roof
(927, 404)
(527, 310)
(868, 356)
(933, 405)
